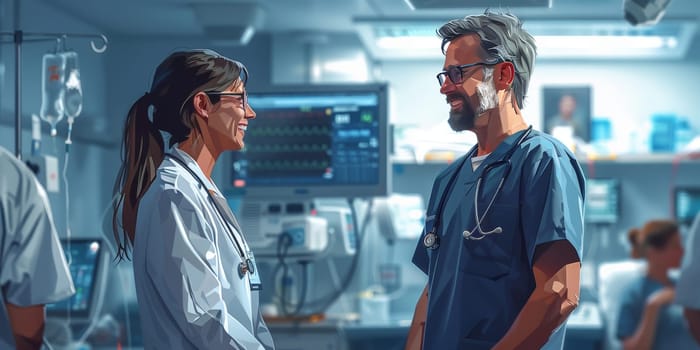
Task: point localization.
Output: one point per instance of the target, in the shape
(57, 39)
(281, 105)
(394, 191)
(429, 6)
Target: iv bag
(53, 90)
(74, 91)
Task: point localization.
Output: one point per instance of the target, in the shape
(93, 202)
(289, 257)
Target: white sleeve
(689, 281)
(184, 272)
(34, 270)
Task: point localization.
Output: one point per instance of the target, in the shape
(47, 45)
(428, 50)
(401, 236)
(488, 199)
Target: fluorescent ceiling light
(597, 39)
(548, 43)
(605, 42)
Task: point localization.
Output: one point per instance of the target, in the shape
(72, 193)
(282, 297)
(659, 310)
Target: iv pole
(18, 37)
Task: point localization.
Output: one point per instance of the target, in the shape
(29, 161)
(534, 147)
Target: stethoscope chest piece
(431, 240)
(245, 267)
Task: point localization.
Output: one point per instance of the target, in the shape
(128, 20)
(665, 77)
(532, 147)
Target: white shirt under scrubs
(33, 269)
(188, 286)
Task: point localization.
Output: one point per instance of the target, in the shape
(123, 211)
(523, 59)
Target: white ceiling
(176, 17)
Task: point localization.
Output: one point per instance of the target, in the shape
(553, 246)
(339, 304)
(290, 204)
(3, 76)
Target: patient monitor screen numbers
(310, 140)
(83, 257)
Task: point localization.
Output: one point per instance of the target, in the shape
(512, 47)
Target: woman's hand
(662, 297)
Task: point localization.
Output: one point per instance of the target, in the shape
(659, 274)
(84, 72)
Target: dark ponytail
(633, 238)
(142, 153)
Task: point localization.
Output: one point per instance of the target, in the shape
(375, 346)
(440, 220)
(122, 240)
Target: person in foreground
(33, 267)
(196, 279)
(504, 224)
(689, 281)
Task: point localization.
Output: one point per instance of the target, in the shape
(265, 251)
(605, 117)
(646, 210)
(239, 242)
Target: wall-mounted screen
(602, 201)
(315, 141)
(687, 204)
(84, 257)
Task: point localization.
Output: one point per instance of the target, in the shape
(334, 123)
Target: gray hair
(502, 39)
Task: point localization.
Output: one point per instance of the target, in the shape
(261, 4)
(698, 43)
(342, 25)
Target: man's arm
(415, 333)
(693, 317)
(27, 325)
(557, 270)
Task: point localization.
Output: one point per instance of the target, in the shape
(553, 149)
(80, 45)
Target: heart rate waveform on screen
(288, 141)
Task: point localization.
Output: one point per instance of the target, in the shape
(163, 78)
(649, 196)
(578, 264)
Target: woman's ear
(201, 104)
(503, 75)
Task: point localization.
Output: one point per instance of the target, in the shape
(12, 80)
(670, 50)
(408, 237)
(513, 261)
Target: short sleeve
(687, 286)
(34, 270)
(629, 314)
(420, 255)
(552, 198)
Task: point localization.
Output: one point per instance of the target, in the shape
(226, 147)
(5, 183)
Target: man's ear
(201, 104)
(503, 75)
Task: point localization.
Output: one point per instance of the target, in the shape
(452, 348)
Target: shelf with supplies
(644, 158)
(636, 158)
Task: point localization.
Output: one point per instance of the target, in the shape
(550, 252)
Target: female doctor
(196, 279)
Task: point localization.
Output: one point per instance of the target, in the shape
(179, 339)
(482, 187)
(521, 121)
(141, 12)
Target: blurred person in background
(647, 318)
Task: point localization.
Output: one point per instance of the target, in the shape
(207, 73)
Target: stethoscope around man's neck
(432, 239)
(246, 265)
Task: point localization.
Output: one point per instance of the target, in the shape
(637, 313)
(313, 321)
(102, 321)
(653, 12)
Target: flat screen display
(602, 201)
(83, 255)
(315, 141)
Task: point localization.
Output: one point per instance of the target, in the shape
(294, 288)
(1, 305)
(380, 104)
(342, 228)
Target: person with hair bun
(632, 235)
(196, 280)
(647, 318)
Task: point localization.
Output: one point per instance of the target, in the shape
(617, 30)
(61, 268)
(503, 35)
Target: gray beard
(463, 119)
(488, 99)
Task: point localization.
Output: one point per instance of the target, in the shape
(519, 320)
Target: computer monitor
(602, 201)
(315, 141)
(687, 204)
(86, 264)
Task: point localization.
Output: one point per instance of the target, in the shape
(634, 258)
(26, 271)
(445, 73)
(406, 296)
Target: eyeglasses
(456, 73)
(242, 95)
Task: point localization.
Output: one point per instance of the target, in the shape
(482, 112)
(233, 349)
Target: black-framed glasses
(456, 73)
(242, 95)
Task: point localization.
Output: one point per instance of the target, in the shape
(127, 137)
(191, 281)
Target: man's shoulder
(17, 179)
(546, 145)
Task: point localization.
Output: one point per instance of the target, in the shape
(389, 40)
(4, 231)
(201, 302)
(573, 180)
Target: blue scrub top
(671, 331)
(476, 288)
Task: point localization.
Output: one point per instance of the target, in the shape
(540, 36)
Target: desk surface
(585, 320)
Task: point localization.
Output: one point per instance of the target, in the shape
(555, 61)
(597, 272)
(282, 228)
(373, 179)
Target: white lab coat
(33, 268)
(185, 263)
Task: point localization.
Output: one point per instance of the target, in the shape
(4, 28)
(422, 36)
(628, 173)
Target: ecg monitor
(315, 141)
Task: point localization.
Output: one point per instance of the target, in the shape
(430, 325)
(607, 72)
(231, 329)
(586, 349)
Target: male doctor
(504, 228)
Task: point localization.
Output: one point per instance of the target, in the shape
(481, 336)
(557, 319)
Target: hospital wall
(626, 92)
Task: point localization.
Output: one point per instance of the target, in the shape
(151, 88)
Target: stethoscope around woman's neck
(432, 239)
(246, 265)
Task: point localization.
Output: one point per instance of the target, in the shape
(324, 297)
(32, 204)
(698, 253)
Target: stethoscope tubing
(246, 264)
(432, 239)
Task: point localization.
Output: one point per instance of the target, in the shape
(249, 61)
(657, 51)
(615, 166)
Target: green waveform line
(289, 131)
(287, 165)
(283, 148)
